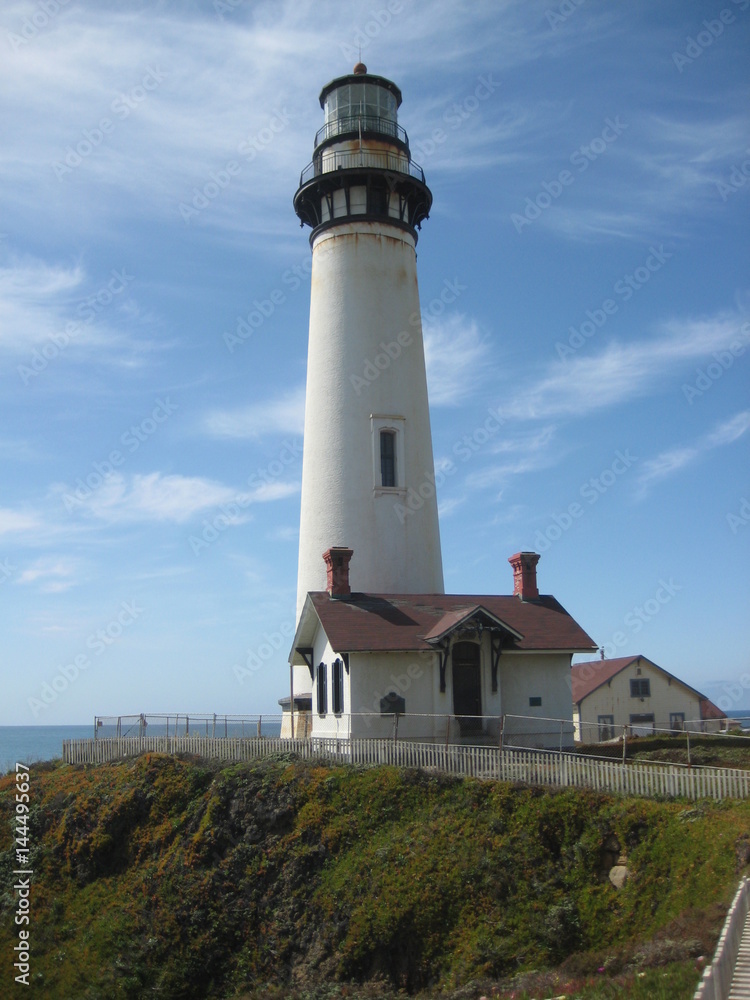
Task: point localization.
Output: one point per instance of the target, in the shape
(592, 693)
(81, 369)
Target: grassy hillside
(169, 878)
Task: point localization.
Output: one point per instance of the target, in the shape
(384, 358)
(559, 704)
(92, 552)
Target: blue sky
(584, 275)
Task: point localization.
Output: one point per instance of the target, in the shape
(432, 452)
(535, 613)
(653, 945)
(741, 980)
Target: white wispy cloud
(521, 453)
(449, 506)
(14, 522)
(455, 356)
(622, 371)
(51, 576)
(665, 171)
(175, 86)
(284, 415)
(671, 461)
(34, 295)
(175, 498)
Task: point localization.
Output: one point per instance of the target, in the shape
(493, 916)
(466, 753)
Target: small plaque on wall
(393, 704)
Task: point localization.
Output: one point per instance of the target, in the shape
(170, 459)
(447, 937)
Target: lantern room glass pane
(354, 99)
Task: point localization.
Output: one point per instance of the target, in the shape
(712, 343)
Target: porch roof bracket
(307, 653)
(442, 652)
(497, 648)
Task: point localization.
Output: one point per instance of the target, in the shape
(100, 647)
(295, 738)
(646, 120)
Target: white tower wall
(364, 295)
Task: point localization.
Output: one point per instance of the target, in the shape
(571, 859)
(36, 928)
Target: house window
(535, 702)
(606, 728)
(642, 725)
(677, 721)
(322, 689)
(387, 458)
(337, 687)
(640, 687)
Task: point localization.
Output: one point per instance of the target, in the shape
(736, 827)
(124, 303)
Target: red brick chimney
(337, 566)
(524, 575)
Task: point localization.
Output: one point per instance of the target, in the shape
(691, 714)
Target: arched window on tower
(387, 458)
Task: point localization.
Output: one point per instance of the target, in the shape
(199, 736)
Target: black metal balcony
(331, 162)
(359, 125)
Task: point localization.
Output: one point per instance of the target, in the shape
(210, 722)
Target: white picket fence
(533, 767)
(717, 977)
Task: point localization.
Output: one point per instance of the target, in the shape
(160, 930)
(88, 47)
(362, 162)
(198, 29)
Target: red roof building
(635, 693)
(447, 663)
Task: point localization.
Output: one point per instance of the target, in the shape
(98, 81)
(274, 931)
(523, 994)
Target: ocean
(31, 744)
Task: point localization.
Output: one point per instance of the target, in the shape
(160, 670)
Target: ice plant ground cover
(194, 880)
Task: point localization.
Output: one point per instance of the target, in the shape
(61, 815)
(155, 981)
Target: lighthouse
(368, 481)
(378, 643)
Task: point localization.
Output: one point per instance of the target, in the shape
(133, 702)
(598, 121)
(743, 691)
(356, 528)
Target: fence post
(213, 727)
(447, 731)
(259, 721)
(687, 734)
(502, 731)
(624, 744)
(561, 734)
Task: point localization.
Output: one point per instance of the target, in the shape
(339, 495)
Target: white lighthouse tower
(367, 471)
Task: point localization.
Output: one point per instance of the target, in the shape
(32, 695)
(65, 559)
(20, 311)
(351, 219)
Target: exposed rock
(618, 876)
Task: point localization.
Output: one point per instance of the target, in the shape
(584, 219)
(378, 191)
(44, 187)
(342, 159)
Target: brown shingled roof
(711, 711)
(587, 677)
(392, 622)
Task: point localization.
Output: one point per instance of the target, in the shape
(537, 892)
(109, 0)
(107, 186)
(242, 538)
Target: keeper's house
(634, 692)
(445, 666)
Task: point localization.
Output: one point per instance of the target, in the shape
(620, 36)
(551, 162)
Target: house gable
(633, 690)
